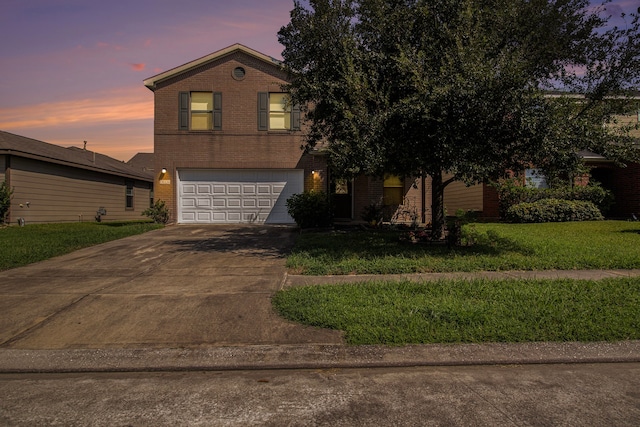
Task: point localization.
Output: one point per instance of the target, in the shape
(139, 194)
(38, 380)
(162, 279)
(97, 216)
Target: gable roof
(151, 82)
(16, 145)
(142, 161)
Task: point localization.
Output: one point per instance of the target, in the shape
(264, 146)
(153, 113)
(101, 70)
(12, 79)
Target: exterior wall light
(164, 170)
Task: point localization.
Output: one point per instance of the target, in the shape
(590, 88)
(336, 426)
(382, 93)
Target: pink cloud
(137, 67)
(123, 105)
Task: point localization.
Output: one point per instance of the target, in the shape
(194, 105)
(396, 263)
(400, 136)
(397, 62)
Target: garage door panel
(219, 217)
(233, 217)
(203, 189)
(203, 216)
(237, 196)
(249, 190)
(188, 202)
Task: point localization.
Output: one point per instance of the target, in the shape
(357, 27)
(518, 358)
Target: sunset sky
(72, 70)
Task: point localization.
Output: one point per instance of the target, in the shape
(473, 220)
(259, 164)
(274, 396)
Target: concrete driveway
(182, 286)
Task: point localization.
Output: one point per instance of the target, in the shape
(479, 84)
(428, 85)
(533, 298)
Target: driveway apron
(182, 286)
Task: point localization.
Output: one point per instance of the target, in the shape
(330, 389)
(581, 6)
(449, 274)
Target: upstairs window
(275, 112)
(279, 111)
(200, 111)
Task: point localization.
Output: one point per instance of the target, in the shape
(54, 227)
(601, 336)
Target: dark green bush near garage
(310, 209)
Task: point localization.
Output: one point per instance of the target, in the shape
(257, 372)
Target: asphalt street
(498, 395)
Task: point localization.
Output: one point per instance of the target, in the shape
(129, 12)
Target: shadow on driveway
(181, 286)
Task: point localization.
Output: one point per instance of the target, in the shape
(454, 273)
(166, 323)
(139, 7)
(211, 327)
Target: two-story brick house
(228, 146)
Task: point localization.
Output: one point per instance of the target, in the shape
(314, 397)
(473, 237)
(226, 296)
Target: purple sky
(72, 70)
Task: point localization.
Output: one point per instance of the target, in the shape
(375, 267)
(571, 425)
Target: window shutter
(217, 110)
(295, 117)
(183, 114)
(263, 111)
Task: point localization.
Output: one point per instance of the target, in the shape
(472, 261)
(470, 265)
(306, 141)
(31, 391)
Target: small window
(239, 73)
(393, 191)
(129, 195)
(535, 178)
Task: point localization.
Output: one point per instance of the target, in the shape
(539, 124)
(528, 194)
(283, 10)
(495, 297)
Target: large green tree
(459, 89)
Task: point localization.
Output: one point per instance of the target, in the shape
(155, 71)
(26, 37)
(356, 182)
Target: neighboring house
(227, 147)
(143, 162)
(56, 184)
(624, 183)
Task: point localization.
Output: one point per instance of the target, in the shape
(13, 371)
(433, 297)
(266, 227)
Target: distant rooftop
(72, 156)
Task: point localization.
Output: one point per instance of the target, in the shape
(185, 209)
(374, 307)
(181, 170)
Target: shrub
(5, 200)
(373, 214)
(511, 192)
(553, 210)
(159, 212)
(310, 209)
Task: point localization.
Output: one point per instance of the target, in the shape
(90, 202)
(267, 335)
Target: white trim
(151, 82)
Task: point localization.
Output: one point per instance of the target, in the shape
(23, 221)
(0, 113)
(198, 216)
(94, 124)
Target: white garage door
(236, 196)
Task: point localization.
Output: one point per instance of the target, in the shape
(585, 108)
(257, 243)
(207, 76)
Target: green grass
(397, 313)
(573, 245)
(36, 242)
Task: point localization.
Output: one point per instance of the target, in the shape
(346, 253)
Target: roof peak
(151, 82)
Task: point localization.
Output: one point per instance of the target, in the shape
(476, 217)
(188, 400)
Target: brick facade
(239, 144)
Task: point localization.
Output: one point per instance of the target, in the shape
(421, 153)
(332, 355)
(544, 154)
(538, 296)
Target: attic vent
(239, 73)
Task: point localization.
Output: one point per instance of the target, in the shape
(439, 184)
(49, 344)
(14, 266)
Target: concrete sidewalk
(199, 298)
(297, 280)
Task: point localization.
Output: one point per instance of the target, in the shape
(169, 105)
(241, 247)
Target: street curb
(314, 356)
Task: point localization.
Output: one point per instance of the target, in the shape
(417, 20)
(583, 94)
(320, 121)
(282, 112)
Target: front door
(342, 194)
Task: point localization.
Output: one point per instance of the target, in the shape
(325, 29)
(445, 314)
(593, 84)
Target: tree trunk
(437, 207)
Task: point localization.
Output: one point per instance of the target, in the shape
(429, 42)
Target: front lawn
(569, 245)
(36, 242)
(405, 312)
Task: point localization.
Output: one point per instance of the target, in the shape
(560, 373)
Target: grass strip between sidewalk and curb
(20, 246)
(470, 311)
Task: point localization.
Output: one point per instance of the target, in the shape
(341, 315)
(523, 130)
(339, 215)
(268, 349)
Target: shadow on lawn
(374, 244)
(630, 231)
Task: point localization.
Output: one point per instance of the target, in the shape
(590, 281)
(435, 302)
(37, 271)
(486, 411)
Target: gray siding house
(56, 184)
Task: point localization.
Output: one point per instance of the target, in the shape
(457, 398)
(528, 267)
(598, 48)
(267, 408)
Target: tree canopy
(468, 88)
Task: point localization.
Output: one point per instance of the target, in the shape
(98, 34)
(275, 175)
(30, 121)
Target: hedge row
(554, 210)
(511, 193)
